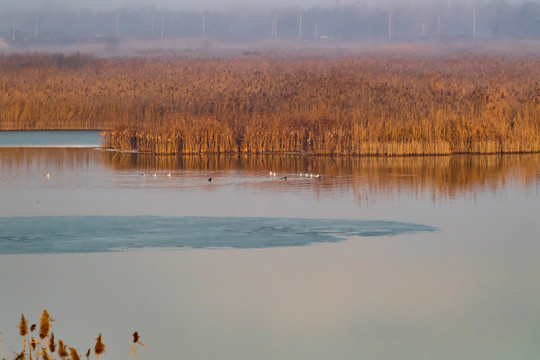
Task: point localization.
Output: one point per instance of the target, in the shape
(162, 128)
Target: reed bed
(333, 105)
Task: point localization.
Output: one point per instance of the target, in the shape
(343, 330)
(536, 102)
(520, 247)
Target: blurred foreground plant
(46, 348)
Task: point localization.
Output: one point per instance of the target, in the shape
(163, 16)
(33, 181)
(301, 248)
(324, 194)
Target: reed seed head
(20, 356)
(44, 325)
(88, 354)
(52, 345)
(33, 343)
(44, 355)
(23, 326)
(62, 351)
(99, 348)
(73, 353)
(32, 327)
(135, 337)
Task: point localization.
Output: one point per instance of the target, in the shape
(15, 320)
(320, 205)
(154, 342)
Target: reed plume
(74, 354)
(23, 326)
(99, 348)
(44, 325)
(23, 331)
(48, 345)
(52, 345)
(62, 350)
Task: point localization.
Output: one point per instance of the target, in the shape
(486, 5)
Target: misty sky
(206, 4)
(172, 4)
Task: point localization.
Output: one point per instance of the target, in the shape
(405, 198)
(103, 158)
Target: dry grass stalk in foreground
(2, 347)
(99, 348)
(46, 346)
(134, 346)
(364, 105)
(23, 329)
(74, 354)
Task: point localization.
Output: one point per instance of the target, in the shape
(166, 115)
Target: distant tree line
(497, 19)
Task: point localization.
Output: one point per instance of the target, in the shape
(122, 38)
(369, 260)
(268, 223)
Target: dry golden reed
(47, 345)
(23, 326)
(23, 330)
(99, 348)
(133, 347)
(74, 354)
(44, 325)
(62, 350)
(335, 105)
(52, 345)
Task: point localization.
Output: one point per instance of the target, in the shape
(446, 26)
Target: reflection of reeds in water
(370, 178)
(451, 177)
(443, 177)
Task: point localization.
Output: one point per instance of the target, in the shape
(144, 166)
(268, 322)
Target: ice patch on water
(88, 234)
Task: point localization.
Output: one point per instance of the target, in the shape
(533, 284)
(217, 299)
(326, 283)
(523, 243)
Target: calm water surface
(400, 258)
(40, 139)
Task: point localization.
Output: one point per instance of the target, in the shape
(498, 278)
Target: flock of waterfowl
(301, 175)
(272, 174)
(155, 175)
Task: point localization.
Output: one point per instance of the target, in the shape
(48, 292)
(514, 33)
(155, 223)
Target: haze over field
(27, 23)
(223, 4)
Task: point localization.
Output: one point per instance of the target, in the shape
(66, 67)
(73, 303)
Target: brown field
(338, 105)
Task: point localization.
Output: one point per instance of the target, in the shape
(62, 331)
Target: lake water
(380, 258)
